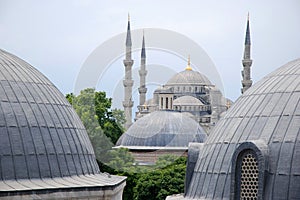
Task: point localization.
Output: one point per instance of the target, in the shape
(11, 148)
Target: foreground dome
(254, 151)
(43, 143)
(162, 129)
(188, 77)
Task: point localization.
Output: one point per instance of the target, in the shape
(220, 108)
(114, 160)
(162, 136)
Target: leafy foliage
(84, 107)
(96, 106)
(166, 160)
(94, 110)
(120, 159)
(108, 123)
(158, 184)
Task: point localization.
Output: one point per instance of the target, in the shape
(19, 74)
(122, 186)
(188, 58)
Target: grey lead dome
(163, 129)
(268, 113)
(188, 77)
(41, 136)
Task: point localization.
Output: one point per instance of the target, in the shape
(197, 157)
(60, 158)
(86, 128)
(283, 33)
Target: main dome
(43, 143)
(265, 124)
(188, 77)
(162, 129)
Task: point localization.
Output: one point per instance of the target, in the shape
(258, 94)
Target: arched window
(248, 170)
(247, 176)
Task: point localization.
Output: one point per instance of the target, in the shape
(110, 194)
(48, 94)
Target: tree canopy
(158, 184)
(92, 106)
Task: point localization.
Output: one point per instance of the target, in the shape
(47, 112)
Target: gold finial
(128, 17)
(145, 106)
(188, 67)
(228, 105)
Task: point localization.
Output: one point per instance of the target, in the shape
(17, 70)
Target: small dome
(188, 77)
(267, 115)
(163, 129)
(187, 101)
(41, 136)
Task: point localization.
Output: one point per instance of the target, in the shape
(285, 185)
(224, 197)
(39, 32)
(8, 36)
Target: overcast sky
(57, 36)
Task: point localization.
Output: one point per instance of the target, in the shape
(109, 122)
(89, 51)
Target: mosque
(189, 92)
(181, 111)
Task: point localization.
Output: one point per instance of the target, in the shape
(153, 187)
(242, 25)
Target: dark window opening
(167, 103)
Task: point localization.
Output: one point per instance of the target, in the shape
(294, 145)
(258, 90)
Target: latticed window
(248, 170)
(247, 176)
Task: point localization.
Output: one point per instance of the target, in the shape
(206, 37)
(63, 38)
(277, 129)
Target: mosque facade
(182, 111)
(189, 92)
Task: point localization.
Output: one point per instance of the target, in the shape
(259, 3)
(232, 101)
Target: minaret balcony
(128, 104)
(142, 72)
(128, 83)
(142, 90)
(247, 62)
(247, 82)
(128, 62)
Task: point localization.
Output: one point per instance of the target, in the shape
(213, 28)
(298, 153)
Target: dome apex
(188, 77)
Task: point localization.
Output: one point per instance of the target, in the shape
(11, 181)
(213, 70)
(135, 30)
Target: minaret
(143, 73)
(247, 62)
(128, 82)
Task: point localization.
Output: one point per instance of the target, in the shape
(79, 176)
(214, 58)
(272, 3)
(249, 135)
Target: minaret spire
(247, 62)
(128, 38)
(247, 38)
(128, 82)
(143, 73)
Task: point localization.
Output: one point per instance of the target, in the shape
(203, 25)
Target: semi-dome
(188, 77)
(187, 101)
(43, 143)
(162, 129)
(254, 150)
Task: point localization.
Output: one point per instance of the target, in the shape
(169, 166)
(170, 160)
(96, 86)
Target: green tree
(119, 117)
(120, 159)
(70, 98)
(166, 160)
(158, 184)
(110, 120)
(84, 107)
(107, 121)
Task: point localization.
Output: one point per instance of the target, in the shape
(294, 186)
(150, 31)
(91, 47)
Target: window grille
(248, 176)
